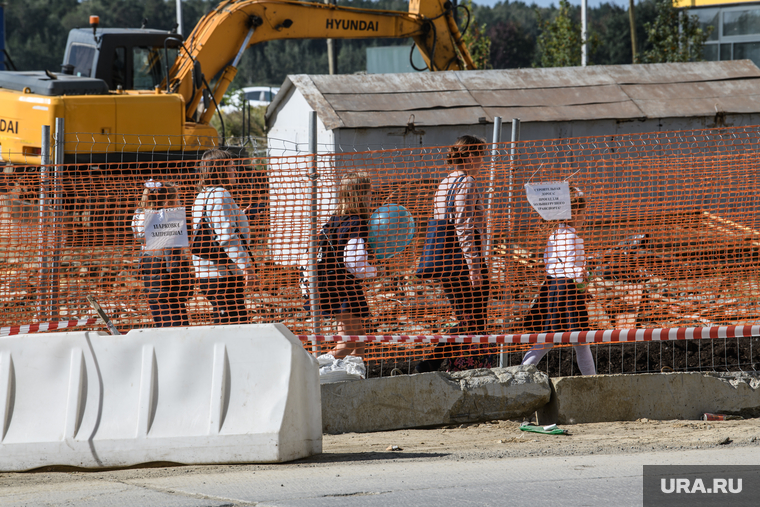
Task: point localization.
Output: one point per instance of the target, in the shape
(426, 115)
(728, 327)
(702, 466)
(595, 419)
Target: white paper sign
(550, 199)
(166, 228)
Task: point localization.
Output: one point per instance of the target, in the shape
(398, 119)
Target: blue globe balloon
(391, 229)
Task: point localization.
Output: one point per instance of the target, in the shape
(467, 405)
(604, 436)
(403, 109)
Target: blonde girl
(345, 261)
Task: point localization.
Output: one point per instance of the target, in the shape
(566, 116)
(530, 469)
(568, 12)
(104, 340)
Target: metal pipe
(632, 22)
(331, 49)
(43, 296)
(491, 183)
(60, 133)
(179, 17)
(584, 33)
(510, 221)
(313, 231)
(512, 161)
(243, 47)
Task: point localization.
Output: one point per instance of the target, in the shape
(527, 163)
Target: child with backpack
(345, 261)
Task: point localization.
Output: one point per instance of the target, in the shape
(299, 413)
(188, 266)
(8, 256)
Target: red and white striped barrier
(45, 326)
(607, 336)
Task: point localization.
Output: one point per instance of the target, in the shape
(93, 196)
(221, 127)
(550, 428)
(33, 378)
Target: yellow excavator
(140, 95)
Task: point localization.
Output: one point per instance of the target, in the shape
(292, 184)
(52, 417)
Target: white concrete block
(659, 396)
(212, 394)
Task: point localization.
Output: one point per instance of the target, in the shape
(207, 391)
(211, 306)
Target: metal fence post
(491, 183)
(55, 263)
(44, 296)
(510, 218)
(313, 232)
(512, 162)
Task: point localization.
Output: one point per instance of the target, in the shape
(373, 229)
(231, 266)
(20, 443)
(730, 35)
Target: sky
(547, 3)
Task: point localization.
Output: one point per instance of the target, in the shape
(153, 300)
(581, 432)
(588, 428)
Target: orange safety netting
(671, 238)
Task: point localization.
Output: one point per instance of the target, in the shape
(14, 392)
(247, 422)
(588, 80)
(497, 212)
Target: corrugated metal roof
(553, 94)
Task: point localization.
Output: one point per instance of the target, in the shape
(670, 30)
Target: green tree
(477, 41)
(37, 30)
(559, 40)
(673, 36)
(512, 47)
(611, 25)
(233, 118)
(35, 35)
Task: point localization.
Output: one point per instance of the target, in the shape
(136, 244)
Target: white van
(255, 95)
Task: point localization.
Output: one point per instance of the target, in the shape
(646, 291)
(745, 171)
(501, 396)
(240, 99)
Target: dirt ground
(505, 439)
(496, 439)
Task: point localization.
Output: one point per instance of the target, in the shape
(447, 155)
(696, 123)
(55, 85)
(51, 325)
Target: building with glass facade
(735, 28)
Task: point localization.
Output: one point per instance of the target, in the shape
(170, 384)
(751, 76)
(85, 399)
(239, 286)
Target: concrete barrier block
(661, 396)
(432, 399)
(225, 394)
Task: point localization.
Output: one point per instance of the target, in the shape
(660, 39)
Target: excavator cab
(112, 59)
(127, 59)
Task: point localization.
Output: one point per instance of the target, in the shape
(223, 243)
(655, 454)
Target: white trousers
(582, 356)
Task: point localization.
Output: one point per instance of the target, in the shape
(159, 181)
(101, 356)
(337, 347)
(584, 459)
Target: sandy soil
(505, 439)
(502, 439)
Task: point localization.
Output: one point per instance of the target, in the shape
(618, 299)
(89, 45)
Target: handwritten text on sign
(166, 228)
(550, 199)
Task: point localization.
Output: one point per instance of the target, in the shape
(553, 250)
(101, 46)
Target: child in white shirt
(563, 294)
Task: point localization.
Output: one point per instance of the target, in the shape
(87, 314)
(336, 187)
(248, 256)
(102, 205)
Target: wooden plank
(551, 77)
(708, 91)
(686, 108)
(567, 96)
(399, 101)
(682, 72)
(430, 117)
(569, 113)
(384, 83)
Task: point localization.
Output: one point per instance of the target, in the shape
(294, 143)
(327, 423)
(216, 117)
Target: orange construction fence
(671, 237)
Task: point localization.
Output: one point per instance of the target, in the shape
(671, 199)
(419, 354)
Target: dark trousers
(471, 309)
(168, 312)
(227, 297)
(565, 307)
(470, 305)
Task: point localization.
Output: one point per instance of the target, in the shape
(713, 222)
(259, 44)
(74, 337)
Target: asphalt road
(336, 480)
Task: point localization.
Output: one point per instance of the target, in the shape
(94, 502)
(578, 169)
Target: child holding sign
(164, 270)
(563, 298)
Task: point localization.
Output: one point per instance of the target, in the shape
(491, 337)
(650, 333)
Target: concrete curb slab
(661, 396)
(433, 399)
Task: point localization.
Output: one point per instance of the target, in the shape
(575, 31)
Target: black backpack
(330, 269)
(331, 272)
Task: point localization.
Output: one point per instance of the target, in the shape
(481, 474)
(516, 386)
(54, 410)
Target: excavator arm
(221, 37)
